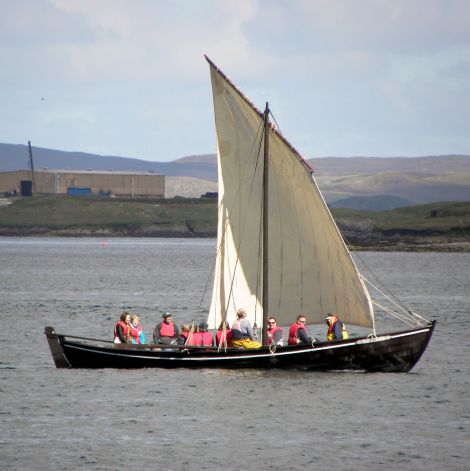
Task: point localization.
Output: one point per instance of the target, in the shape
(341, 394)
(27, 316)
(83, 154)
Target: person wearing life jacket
(336, 328)
(166, 332)
(185, 328)
(223, 336)
(195, 335)
(275, 335)
(205, 337)
(298, 332)
(242, 332)
(122, 329)
(137, 333)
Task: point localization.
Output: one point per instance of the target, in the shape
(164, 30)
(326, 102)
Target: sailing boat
(279, 252)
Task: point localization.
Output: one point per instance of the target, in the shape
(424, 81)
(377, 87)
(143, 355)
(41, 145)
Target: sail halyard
(310, 270)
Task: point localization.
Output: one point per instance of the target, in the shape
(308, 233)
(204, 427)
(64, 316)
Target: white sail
(310, 270)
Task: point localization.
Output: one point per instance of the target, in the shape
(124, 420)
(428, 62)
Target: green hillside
(432, 226)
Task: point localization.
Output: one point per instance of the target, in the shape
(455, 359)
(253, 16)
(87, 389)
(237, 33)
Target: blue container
(78, 191)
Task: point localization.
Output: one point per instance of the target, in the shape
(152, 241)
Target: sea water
(216, 419)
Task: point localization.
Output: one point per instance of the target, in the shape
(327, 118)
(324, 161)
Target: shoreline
(421, 244)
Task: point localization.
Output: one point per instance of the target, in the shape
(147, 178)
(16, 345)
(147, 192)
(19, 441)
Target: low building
(94, 182)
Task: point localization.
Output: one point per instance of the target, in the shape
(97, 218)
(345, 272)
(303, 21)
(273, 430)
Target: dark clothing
(303, 337)
(338, 330)
(121, 334)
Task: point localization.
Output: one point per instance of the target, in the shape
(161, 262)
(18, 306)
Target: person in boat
(185, 329)
(298, 332)
(223, 336)
(166, 332)
(205, 337)
(122, 329)
(137, 333)
(275, 335)
(336, 328)
(194, 337)
(242, 332)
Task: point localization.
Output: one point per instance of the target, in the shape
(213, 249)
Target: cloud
(335, 72)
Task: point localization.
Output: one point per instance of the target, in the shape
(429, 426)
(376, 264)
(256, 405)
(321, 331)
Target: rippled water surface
(216, 419)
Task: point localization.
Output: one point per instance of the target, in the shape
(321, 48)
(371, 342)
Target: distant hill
(372, 203)
(419, 179)
(15, 157)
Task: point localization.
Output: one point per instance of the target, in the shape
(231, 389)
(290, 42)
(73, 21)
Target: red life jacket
(124, 326)
(293, 339)
(167, 330)
(206, 339)
(271, 333)
(195, 339)
(135, 332)
(222, 337)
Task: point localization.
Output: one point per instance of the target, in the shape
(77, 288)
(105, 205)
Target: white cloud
(344, 76)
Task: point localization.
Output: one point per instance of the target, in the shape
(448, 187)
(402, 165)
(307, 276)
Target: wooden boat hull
(394, 352)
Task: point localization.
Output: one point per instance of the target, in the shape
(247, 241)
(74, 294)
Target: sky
(342, 77)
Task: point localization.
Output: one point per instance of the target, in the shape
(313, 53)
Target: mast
(265, 225)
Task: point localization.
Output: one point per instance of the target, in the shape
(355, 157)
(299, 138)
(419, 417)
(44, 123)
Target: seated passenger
(194, 337)
(185, 328)
(298, 332)
(122, 329)
(166, 332)
(242, 332)
(275, 335)
(223, 337)
(137, 333)
(336, 328)
(206, 336)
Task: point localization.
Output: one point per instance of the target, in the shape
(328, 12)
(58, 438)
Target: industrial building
(83, 182)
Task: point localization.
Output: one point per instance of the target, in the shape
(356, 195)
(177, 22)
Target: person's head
(272, 322)
(330, 317)
(224, 325)
(301, 319)
(167, 318)
(135, 320)
(125, 317)
(203, 327)
(241, 313)
(185, 328)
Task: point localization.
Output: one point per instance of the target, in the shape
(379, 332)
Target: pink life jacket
(167, 330)
(206, 339)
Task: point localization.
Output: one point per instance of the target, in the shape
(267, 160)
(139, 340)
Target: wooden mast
(265, 225)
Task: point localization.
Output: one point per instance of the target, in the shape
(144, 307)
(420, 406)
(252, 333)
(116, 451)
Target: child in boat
(137, 333)
(185, 329)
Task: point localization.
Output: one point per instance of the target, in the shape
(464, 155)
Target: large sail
(310, 270)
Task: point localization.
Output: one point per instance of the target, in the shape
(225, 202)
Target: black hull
(394, 352)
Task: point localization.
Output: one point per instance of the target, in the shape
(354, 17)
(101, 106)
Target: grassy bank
(438, 226)
(66, 215)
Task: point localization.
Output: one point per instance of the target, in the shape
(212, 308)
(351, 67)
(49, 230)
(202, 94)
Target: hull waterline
(393, 352)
